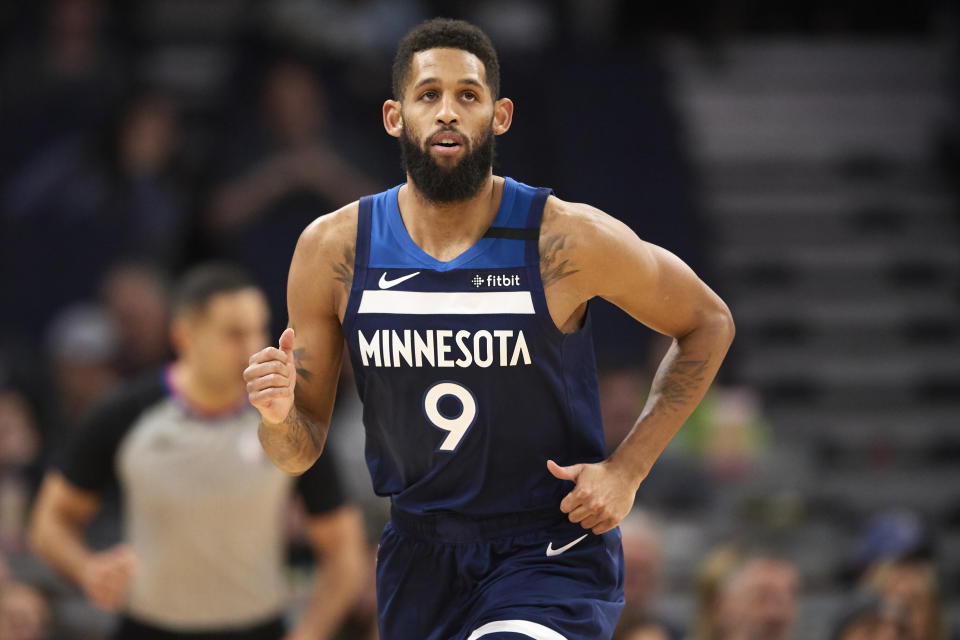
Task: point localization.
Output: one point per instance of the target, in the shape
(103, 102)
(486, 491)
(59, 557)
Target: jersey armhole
(360, 261)
(532, 262)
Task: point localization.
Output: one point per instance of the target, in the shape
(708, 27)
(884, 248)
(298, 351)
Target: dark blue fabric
(543, 409)
(444, 591)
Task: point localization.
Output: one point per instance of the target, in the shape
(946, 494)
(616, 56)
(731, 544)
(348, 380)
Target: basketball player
(463, 298)
(204, 507)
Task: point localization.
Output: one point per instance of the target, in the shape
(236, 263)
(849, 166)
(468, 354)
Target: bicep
(651, 284)
(60, 499)
(318, 338)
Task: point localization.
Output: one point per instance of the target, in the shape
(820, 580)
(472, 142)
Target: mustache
(464, 139)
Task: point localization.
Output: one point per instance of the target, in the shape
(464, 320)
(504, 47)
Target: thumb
(286, 341)
(570, 473)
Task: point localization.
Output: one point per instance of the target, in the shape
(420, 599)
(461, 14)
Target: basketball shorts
(521, 576)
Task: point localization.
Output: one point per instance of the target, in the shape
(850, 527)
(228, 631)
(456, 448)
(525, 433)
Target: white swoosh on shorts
(386, 284)
(555, 552)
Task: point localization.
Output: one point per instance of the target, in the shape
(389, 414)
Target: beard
(455, 184)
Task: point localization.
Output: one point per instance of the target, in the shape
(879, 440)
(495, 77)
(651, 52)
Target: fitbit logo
(496, 280)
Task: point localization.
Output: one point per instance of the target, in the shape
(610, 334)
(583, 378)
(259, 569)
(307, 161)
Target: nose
(447, 113)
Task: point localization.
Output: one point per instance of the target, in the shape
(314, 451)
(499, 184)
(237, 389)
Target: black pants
(130, 629)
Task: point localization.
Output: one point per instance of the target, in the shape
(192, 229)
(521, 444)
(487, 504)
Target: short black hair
(448, 34)
(201, 283)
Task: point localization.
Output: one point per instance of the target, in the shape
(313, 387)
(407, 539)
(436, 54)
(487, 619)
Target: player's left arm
(338, 542)
(606, 259)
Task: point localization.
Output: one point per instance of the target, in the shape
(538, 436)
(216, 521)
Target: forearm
(59, 542)
(296, 443)
(682, 379)
(337, 584)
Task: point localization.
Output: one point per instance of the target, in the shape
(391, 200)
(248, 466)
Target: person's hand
(106, 577)
(299, 633)
(271, 378)
(602, 497)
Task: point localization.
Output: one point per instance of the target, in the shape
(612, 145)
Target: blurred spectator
(19, 468)
(279, 179)
(641, 586)
(895, 534)
(870, 620)
(714, 571)
(24, 613)
(910, 587)
(518, 27)
(622, 394)
(758, 600)
(641, 631)
(727, 432)
(62, 82)
(89, 202)
(137, 298)
(344, 27)
(81, 351)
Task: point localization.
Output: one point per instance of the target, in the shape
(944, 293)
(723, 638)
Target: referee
(203, 506)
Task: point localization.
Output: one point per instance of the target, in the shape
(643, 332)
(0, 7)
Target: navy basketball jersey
(468, 387)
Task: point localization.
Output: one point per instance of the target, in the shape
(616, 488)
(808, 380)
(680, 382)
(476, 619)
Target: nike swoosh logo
(386, 284)
(555, 552)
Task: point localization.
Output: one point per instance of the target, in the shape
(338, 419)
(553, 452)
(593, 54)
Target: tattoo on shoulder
(299, 355)
(343, 269)
(553, 265)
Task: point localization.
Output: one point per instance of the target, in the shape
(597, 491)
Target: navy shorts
(521, 576)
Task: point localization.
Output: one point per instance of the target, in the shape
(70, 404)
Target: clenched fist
(271, 378)
(106, 576)
(602, 497)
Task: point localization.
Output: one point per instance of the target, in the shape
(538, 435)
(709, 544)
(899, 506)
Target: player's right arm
(60, 516)
(294, 384)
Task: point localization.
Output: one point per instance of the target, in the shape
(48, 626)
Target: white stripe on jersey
(525, 627)
(441, 302)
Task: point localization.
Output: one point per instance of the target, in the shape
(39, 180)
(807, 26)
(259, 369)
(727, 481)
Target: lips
(446, 142)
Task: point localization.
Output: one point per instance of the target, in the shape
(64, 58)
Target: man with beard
(758, 601)
(463, 300)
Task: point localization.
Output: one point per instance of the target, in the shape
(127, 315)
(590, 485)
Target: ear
(180, 334)
(393, 118)
(502, 115)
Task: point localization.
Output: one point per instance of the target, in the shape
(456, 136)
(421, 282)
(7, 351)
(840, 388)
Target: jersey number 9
(455, 424)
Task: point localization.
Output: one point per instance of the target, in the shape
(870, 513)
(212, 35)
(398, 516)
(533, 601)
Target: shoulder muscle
(321, 271)
(590, 247)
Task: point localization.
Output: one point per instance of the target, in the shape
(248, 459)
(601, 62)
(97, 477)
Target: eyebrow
(469, 81)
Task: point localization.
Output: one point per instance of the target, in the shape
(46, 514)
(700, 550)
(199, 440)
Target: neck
(445, 230)
(201, 395)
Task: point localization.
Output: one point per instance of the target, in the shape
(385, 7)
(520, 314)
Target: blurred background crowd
(801, 156)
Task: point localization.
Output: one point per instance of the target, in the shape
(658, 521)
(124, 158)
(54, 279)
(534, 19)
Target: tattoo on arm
(553, 266)
(299, 355)
(682, 383)
(299, 439)
(343, 270)
(298, 426)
